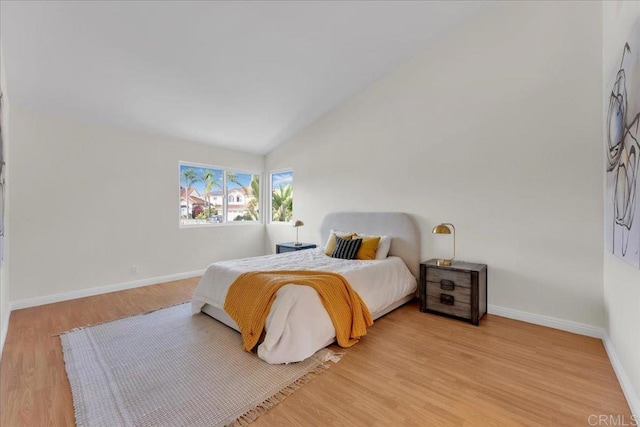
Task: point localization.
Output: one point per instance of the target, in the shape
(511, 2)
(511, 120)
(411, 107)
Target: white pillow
(384, 245)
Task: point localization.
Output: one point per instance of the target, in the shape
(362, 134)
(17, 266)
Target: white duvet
(298, 325)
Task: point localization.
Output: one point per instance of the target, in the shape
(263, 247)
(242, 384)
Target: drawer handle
(447, 285)
(446, 299)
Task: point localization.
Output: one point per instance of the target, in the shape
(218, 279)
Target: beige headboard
(401, 226)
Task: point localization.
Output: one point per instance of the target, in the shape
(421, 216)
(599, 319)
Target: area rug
(172, 368)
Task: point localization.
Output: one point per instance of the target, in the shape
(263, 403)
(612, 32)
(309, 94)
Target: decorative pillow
(346, 249)
(384, 245)
(331, 242)
(368, 247)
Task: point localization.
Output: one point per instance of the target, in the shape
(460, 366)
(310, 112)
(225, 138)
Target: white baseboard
(65, 296)
(625, 382)
(551, 322)
(582, 329)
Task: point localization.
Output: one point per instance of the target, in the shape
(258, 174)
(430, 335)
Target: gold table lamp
(444, 229)
(297, 224)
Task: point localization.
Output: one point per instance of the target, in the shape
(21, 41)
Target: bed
(298, 325)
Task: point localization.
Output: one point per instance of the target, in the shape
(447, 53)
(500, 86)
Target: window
(282, 196)
(213, 195)
(245, 208)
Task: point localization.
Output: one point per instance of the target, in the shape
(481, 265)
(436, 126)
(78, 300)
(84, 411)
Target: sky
(244, 178)
(282, 178)
(278, 179)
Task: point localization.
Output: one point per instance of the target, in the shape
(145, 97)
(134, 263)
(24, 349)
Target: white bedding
(298, 325)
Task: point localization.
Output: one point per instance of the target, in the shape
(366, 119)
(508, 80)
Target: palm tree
(282, 203)
(252, 213)
(253, 204)
(190, 177)
(209, 178)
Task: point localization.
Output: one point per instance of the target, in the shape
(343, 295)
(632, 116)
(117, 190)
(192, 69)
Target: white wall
(621, 280)
(88, 202)
(5, 310)
(495, 129)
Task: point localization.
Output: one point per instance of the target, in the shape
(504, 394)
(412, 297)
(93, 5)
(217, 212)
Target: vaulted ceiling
(242, 75)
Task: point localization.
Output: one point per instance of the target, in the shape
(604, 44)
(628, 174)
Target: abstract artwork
(622, 136)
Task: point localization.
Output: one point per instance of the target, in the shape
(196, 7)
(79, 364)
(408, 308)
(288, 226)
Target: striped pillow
(346, 249)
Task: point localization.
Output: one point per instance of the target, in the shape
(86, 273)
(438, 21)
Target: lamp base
(443, 262)
(297, 244)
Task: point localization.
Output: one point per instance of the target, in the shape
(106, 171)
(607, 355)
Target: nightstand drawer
(460, 293)
(448, 304)
(439, 275)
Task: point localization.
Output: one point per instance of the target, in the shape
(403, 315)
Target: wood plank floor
(411, 369)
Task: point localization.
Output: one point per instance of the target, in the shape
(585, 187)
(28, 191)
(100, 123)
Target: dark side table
(291, 247)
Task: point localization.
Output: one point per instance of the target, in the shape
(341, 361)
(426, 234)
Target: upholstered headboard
(401, 226)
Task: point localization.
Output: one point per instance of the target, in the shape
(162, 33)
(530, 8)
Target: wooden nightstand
(458, 290)
(291, 247)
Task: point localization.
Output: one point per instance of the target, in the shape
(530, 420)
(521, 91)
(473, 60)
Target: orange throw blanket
(250, 296)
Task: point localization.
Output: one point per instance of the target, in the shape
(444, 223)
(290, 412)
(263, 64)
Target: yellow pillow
(368, 247)
(331, 243)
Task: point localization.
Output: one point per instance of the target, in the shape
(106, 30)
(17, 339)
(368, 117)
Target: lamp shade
(441, 229)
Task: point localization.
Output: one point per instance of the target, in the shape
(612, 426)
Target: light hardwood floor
(411, 369)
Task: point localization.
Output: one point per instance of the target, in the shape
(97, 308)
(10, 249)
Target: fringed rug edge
(263, 407)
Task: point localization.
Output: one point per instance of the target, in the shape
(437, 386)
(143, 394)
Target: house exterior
(194, 199)
(238, 201)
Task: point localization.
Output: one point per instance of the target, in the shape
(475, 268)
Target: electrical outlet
(134, 269)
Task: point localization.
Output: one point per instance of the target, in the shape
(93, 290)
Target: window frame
(225, 195)
(270, 192)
